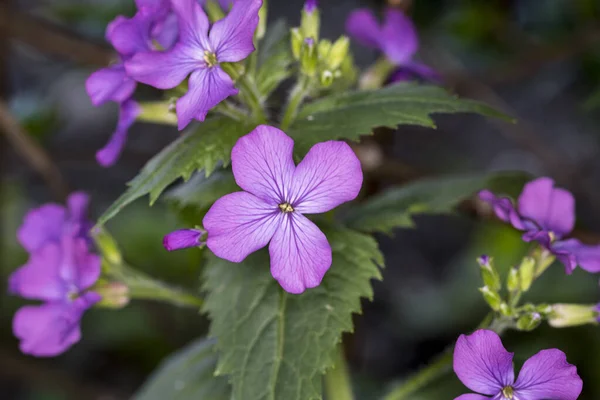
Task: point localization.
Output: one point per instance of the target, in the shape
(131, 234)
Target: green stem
(376, 75)
(231, 111)
(433, 371)
(144, 287)
(157, 112)
(337, 379)
(297, 96)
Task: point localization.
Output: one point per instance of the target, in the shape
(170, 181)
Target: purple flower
(128, 112)
(396, 38)
(483, 365)
(183, 239)
(547, 215)
(310, 5)
(48, 223)
(59, 273)
(199, 53)
(276, 195)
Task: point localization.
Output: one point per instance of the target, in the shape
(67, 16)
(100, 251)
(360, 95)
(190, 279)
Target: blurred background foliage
(537, 60)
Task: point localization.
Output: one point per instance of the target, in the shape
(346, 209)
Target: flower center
(286, 208)
(508, 392)
(210, 58)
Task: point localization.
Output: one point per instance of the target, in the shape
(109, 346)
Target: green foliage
(352, 114)
(395, 207)
(202, 148)
(274, 58)
(187, 375)
(276, 345)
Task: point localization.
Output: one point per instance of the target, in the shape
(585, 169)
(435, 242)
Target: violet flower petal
(152, 6)
(552, 209)
(131, 35)
(41, 225)
(262, 163)
(239, 224)
(182, 239)
(193, 24)
(572, 252)
(207, 88)
(399, 39)
(414, 70)
(362, 26)
(548, 375)
(472, 396)
(482, 363)
(300, 254)
(329, 175)
(503, 208)
(77, 204)
(50, 329)
(166, 32)
(109, 154)
(39, 278)
(79, 266)
(231, 38)
(165, 70)
(109, 84)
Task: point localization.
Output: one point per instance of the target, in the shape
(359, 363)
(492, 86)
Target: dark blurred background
(538, 60)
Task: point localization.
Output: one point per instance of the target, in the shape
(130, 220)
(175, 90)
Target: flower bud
(323, 48)
(491, 297)
(490, 276)
(505, 310)
(326, 78)
(114, 294)
(296, 41)
(529, 321)
(338, 52)
(310, 20)
(309, 57)
(564, 315)
(526, 273)
(261, 29)
(512, 282)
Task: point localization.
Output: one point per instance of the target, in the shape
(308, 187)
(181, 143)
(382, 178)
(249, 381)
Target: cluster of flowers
(60, 272)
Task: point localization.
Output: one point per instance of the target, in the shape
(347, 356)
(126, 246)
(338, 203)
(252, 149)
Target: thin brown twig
(51, 39)
(32, 152)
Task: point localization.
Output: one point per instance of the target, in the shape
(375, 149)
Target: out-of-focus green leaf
(352, 114)
(395, 207)
(187, 375)
(274, 58)
(275, 345)
(202, 147)
(199, 193)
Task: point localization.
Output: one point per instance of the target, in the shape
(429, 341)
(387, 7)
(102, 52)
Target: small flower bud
(526, 273)
(326, 78)
(564, 315)
(324, 48)
(490, 276)
(529, 321)
(261, 29)
(296, 41)
(309, 57)
(114, 294)
(310, 20)
(491, 297)
(512, 282)
(338, 52)
(505, 310)
(183, 238)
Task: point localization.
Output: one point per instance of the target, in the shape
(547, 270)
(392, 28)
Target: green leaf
(187, 375)
(197, 195)
(395, 207)
(200, 148)
(352, 114)
(275, 345)
(274, 58)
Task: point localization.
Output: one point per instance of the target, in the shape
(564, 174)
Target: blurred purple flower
(183, 239)
(547, 215)
(59, 272)
(396, 38)
(50, 222)
(199, 53)
(276, 195)
(483, 365)
(310, 5)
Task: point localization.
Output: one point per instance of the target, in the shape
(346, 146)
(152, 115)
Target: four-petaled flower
(396, 38)
(483, 365)
(59, 272)
(547, 215)
(276, 195)
(199, 52)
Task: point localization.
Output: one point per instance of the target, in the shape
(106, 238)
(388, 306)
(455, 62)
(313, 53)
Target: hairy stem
(297, 96)
(337, 379)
